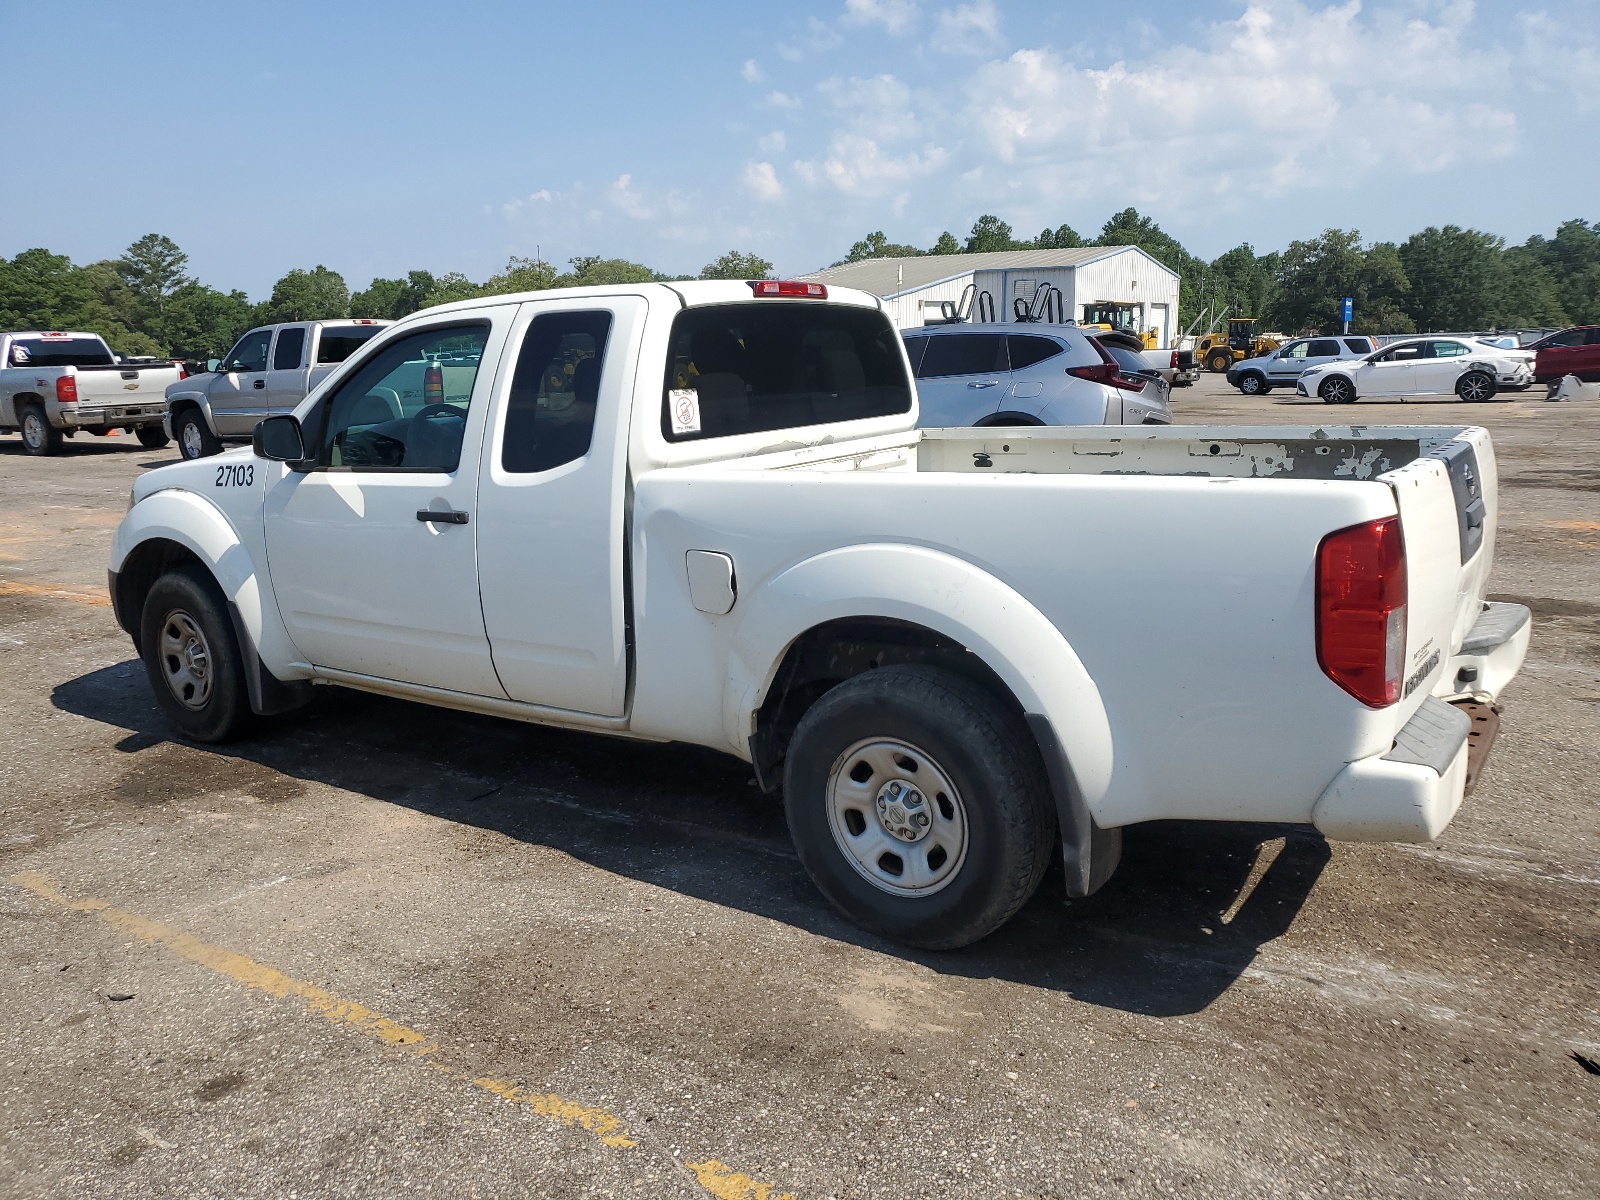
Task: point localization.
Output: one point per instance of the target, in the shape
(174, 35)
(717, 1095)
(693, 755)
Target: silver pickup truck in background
(269, 370)
(54, 384)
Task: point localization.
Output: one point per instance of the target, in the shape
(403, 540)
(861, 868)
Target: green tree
(1573, 259)
(1239, 281)
(315, 295)
(990, 233)
(876, 245)
(384, 299)
(591, 270)
(1455, 277)
(734, 265)
(153, 268)
(1529, 294)
(1062, 237)
(521, 275)
(946, 244)
(202, 323)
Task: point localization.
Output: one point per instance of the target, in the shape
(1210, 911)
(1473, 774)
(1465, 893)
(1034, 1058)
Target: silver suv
(1281, 368)
(1027, 374)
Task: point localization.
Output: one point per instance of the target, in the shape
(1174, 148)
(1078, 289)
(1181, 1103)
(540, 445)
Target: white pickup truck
(269, 370)
(702, 512)
(53, 384)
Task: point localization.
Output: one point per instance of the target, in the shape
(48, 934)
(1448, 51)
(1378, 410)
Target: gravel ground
(381, 950)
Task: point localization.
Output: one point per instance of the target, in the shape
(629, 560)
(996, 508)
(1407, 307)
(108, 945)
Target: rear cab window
(339, 342)
(287, 353)
(59, 352)
(764, 365)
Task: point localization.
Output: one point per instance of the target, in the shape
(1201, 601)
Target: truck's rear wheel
(191, 657)
(151, 437)
(39, 437)
(195, 440)
(918, 806)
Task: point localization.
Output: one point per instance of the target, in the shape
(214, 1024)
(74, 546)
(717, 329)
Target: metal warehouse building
(1119, 285)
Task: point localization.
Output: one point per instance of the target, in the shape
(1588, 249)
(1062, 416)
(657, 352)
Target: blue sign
(1347, 308)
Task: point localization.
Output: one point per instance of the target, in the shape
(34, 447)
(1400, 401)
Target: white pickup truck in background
(702, 512)
(269, 370)
(54, 384)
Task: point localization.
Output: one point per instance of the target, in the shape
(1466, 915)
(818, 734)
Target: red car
(1574, 351)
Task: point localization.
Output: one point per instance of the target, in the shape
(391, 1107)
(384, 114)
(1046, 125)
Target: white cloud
(762, 180)
(782, 100)
(628, 201)
(896, 16)
(541, 194)
(880, 106)
(752, 71)
(968, 28)
(776, 140)
(860, 166)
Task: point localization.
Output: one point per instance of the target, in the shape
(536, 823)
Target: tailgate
(1446, 499)
(99, 387)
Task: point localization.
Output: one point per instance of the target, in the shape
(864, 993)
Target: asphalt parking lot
(382, 950)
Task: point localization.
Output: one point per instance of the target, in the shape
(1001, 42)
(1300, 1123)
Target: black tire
(151, 437)
(207, 700)
(1475, 386)
(194, 436)
(1336, 389)
(999, 803)
(39, 437)
(1253, 383)
(1219, 363)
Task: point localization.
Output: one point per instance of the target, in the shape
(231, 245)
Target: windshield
(763, 365)
(60, 352)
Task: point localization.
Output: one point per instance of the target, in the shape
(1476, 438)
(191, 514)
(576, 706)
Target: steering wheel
(438, 410)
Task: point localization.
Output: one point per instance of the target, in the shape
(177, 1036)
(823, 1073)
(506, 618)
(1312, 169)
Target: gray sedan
(1027, 374)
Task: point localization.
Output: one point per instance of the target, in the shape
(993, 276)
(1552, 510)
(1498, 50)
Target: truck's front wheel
(195, 440)
(191, 656)
(919, 806)
(39, 437)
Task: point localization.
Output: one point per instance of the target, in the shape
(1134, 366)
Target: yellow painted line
(10, 587)
(720, 1181)
(727, 1184)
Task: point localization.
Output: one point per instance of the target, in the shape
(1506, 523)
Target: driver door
(237, 393)
(1286, 365)
(365, 580)
(1392, 373)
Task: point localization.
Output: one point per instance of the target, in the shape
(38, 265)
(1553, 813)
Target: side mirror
(279, 439)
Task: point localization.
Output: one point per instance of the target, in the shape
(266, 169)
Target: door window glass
(1323, 348)
(405, 409)
(1294, 350)
(963, 354)
(1358, 345)
(1564, 341)
(764, 365)
(1448, 349)
(250, 354)
(1027, 349)
(550, 415)
(1404, 352)
(1594, 336)
(291, 344)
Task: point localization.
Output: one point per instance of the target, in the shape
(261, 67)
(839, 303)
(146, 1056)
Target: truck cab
(268, 370)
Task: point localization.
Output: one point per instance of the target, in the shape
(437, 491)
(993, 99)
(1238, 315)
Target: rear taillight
(433, 384)
(1361, 610)
(1174, 360)
(182, 372)
(1107, 372)
(788, 288)
(66, 390)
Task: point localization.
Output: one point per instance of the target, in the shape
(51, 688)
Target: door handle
(441, 516)
(985, 383)
(258, 384)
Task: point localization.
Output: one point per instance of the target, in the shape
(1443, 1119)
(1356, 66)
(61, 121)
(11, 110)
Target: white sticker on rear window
(685, 404)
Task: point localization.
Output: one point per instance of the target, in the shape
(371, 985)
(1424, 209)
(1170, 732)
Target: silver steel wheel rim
(185, 660)
(33, 430)
(192, 445)
(896, 817)
(1338, 391)
(1252, 385)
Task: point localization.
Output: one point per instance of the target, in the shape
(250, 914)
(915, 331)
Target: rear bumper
(74, 416)
(1407, 795)
(1411, 793)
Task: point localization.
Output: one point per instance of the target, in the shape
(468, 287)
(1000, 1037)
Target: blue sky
(378, 138)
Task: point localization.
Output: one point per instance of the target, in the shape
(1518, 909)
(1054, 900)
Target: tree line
(1443, 278)
(145, 303)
